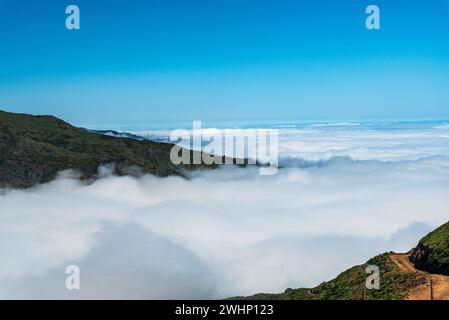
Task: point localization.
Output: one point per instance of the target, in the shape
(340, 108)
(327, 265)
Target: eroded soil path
(438, 284)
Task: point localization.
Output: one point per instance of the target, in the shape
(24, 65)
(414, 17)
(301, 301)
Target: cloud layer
(222, 233)
(346, 192)
(387, 141)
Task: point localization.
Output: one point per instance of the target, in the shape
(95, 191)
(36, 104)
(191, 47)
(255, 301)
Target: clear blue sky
(144, 62)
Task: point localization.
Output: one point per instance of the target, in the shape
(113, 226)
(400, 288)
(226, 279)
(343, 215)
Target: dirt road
(440, 284)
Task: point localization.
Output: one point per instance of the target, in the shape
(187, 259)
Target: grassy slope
(432, 252)
(431, 255)
(349, 285)
(33, 149)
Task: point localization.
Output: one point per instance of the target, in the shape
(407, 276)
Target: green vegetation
(432, 252)
(438, 243)
(431, 255)
(33, 149)
(350, 285)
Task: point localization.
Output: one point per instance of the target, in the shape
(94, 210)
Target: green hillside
(350, 285)
(432, 252)
(33, 149)
(413, 275)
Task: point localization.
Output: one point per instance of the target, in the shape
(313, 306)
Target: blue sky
(141, 63)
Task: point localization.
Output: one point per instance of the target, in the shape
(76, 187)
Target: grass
(350, 284)
(432, 252)
(437, 242)
(33, 149)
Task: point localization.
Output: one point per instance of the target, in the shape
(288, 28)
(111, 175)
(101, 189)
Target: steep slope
(432, 252)
(33, 149)
(350, 285)
(418, 275)
(436, 286)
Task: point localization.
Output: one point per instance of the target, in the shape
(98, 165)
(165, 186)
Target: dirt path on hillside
(441, 287)
(439, 283)
(403, 262)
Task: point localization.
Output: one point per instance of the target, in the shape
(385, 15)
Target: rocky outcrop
(432, 252)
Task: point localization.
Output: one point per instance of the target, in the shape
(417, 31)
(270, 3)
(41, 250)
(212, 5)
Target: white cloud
(221, 233)
(346, 193)
(388, 141)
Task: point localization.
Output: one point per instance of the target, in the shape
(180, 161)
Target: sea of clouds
(345, 193)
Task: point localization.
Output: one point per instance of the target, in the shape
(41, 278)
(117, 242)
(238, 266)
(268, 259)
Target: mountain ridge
(34, 148)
